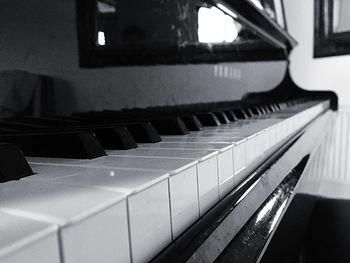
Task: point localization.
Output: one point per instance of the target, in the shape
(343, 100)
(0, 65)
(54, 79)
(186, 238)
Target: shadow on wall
(25, 93)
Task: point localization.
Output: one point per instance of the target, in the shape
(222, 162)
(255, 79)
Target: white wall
(330, 169)
(331, 73)
(40, 36)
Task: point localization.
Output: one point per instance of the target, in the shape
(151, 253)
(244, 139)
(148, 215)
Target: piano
(151, 131)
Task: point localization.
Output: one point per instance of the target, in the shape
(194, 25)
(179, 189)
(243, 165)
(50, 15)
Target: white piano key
(274, 135)
(207, 169)
(239, 148)
(239, 154)
(185, 139)
(184, 200)
(93, 223)
(199, 155)
(225, 135)
(25, 240)
(260, 137)
(208, 184)
(183, 183)
(225, 159)
(250, 149)
(148, 201)
(226, 172)
(263, 142)
(189, 146)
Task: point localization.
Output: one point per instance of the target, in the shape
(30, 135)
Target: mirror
(341, 16)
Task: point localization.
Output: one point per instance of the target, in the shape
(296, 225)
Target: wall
(314, 74)
(40, 36)
(329, 172)
(331, 168)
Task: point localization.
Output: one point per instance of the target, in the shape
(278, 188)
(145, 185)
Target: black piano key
(266, 109)
(269, 106)
(13, 165)
(222, 117)
(76, 145)
(256, 111)
(114, 138)
(246, 116)
(248, 112)
(240, 114)
(20, 126)
(111, 138)
(162, 125)
(192, 122)
(208, 119)
(143, 132)
(170, 126)
(277, 106)
(120, 136)
(283, 105)
(46, 121)
(290, 103)
(7, 130)
(231, 116)
(64, 117)
(272, 106)
(261, 110)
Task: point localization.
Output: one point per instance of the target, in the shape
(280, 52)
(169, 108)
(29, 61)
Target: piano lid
(267, 14)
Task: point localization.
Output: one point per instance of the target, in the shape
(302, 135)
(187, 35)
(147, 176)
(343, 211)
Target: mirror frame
(328, 43)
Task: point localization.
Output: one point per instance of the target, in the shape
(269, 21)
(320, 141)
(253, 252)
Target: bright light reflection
(266, 208)
(214, 26)
(257, 4)
(226, 10)
(277, 216)
(248, 191)
(101, 38)
(105, 8)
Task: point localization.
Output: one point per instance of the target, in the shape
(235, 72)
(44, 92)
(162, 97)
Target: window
(332, 28)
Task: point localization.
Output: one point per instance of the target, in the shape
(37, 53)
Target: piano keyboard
(129, 205)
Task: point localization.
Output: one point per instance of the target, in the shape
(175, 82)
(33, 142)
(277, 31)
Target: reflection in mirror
(258, 4)
(332, 28)
(115, 32)
(273, 8)
(341, 16)
(106, 6)
(153, 22)
(214, 26)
